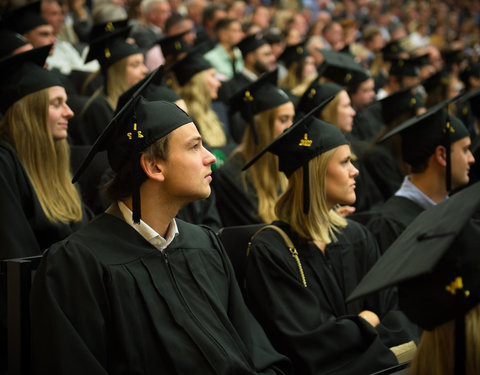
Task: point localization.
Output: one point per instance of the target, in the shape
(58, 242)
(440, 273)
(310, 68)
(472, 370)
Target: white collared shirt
(147, 232)
(410, 191)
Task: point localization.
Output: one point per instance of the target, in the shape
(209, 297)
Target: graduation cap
(101, 29)
(293, 53)
(402, 101)
(435, 263)
(173, 45)
(342, 69)
(422, 134)
(406, 67)
(452, 56)
(315, 94)
(251, 43)
(190, 65)
(11, 40)
(392, 50)
(111, 47)
(133, 128)
(435, 80)
(300, 143)
(152, 91)
(23, 73)
(259, 96)
(24, 18)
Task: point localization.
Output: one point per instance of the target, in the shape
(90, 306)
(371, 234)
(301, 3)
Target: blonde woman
(249, 197)
(194, 79)
(122, 66)
(38, 201)
(296, 286)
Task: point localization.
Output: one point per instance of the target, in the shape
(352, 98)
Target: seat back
(235, 240)
(17, 277)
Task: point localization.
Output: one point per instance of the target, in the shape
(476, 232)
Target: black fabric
(367, 124)
(202, 212)
(392, 219)
(237, 200)
(313, 325)
(94, 118)
(141, 310)
(26, 231)
(382, 166)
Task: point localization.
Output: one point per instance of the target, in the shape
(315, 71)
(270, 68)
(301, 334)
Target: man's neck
(433, 186)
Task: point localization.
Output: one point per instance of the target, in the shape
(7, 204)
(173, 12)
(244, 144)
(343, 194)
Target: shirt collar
(148, 232)
(410, 191)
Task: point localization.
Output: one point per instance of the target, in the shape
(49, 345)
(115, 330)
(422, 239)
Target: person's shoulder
(354, 231)
(195, 236)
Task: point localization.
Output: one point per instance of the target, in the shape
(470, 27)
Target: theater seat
(17, 277)
(235, 240)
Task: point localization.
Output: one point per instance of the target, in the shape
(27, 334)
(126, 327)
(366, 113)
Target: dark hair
(121, 186)
(173, 20)
(224, 24)
(209, 11)
(420, 166)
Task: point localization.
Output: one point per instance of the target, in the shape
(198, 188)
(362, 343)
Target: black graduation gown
(94, 118)
(105, 301)
(367, 124)
(202, 212)
(313, 325)
(237, 200)
(392, 219)
(25, 230)
(383, 168)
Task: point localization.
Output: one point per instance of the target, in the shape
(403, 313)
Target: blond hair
(47, 162)
(264, 174)
(116, 81)
(435, 352)
(329, 113)
(197, 98)
(321, 223)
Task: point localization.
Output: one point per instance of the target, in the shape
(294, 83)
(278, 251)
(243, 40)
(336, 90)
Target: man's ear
(440, 155)
(153, 168)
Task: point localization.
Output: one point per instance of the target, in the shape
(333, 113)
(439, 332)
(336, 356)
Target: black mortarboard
(391, 50)
(111, 47)
(304, 140)
(190, 65)
(134, 127)
(11, 40)
(435, 263)
(471, 70)
(406, 67)
(293, 53)
(251, 43)
(173, 45)
(315, 94)
(257, 97)
(154, 90)
(100, 29)
(23, 74)
(273, 35)
(452, 56)
(422, 134)
(400, 102)
(342, 69)
(24, 18)
(435, 80)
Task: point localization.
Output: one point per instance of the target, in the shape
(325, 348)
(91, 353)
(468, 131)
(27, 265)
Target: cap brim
(287, 132)
(36, 56)
(419, 248)
(102, 140)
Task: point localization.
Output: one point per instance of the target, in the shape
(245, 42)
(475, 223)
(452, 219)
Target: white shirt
(410, 191)
(147, 232)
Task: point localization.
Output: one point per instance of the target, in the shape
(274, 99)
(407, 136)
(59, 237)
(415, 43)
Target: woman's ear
(153, 168)
(441, 155)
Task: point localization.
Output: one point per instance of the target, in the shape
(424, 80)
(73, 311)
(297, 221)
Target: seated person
(297, 290)
(138, 291)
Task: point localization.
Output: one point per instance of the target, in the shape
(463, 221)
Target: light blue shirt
(222, 62)
(410, 191)
(147, 232)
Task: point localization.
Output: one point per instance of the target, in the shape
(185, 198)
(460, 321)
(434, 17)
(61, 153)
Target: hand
(370, 317)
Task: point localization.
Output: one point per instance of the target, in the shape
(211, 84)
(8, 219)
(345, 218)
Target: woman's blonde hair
(197, 98)
(321, 223)
(47, 162)
(329, 113)
(294, 75)
(264, 174)
(116, 81)
(435, 352)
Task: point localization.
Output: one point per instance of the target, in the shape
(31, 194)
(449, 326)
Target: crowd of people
(133, 131)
